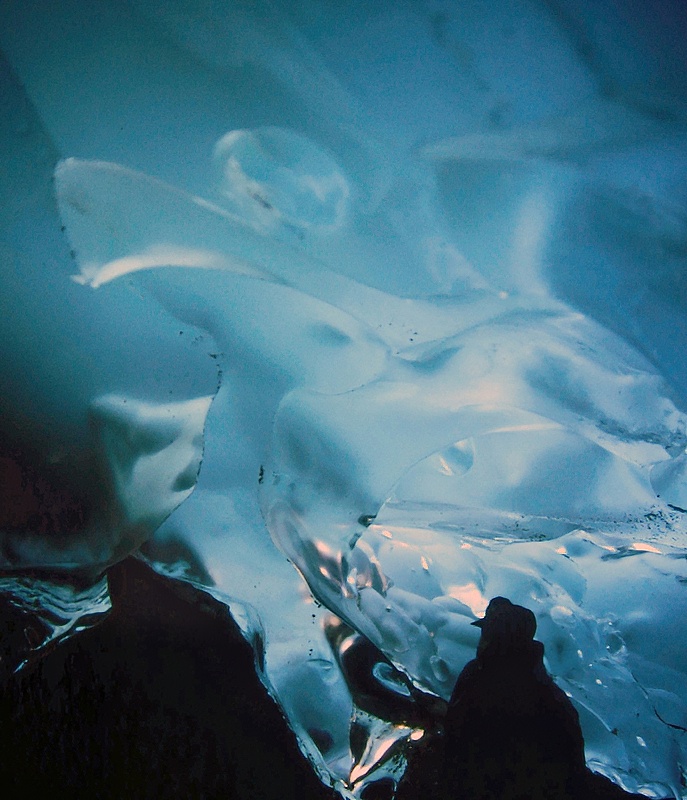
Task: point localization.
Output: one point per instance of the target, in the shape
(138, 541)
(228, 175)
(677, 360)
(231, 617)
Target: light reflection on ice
(458, 440)
(412, 455)
(52, 610)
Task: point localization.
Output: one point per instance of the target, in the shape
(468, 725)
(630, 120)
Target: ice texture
(395, 297)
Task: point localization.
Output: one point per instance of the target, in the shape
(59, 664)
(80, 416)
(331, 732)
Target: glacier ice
(508, 450)
(370, 305)
(306, 188)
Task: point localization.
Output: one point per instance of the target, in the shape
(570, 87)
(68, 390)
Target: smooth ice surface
(396, 296)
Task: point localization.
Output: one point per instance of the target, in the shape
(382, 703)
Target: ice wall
(428, 265)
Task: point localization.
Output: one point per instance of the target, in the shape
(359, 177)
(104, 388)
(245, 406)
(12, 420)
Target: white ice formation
(438, 256)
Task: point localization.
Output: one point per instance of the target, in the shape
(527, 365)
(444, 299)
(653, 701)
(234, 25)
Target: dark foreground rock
(510, 733)
(161, 700)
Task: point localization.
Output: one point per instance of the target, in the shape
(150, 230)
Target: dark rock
(510, 732)
(161, 700)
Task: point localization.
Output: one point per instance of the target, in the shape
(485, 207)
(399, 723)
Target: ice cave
(355, 315)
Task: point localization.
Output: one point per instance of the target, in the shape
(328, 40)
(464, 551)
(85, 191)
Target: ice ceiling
(392, 293)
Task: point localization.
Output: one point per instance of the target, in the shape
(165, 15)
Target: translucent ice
(280, 178)
(148, 460)
(507, 446)
(446, 302)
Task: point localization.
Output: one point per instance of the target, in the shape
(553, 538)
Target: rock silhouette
(163, 699)
(510, 732)
(160, 700)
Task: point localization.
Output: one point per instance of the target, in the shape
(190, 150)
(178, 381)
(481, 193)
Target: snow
(393, 296)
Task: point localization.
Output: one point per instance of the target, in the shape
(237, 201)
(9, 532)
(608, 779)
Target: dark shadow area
(161, 700)
(510, 732)
(35, 497)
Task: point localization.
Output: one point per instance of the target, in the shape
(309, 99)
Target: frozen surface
(396, 297)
